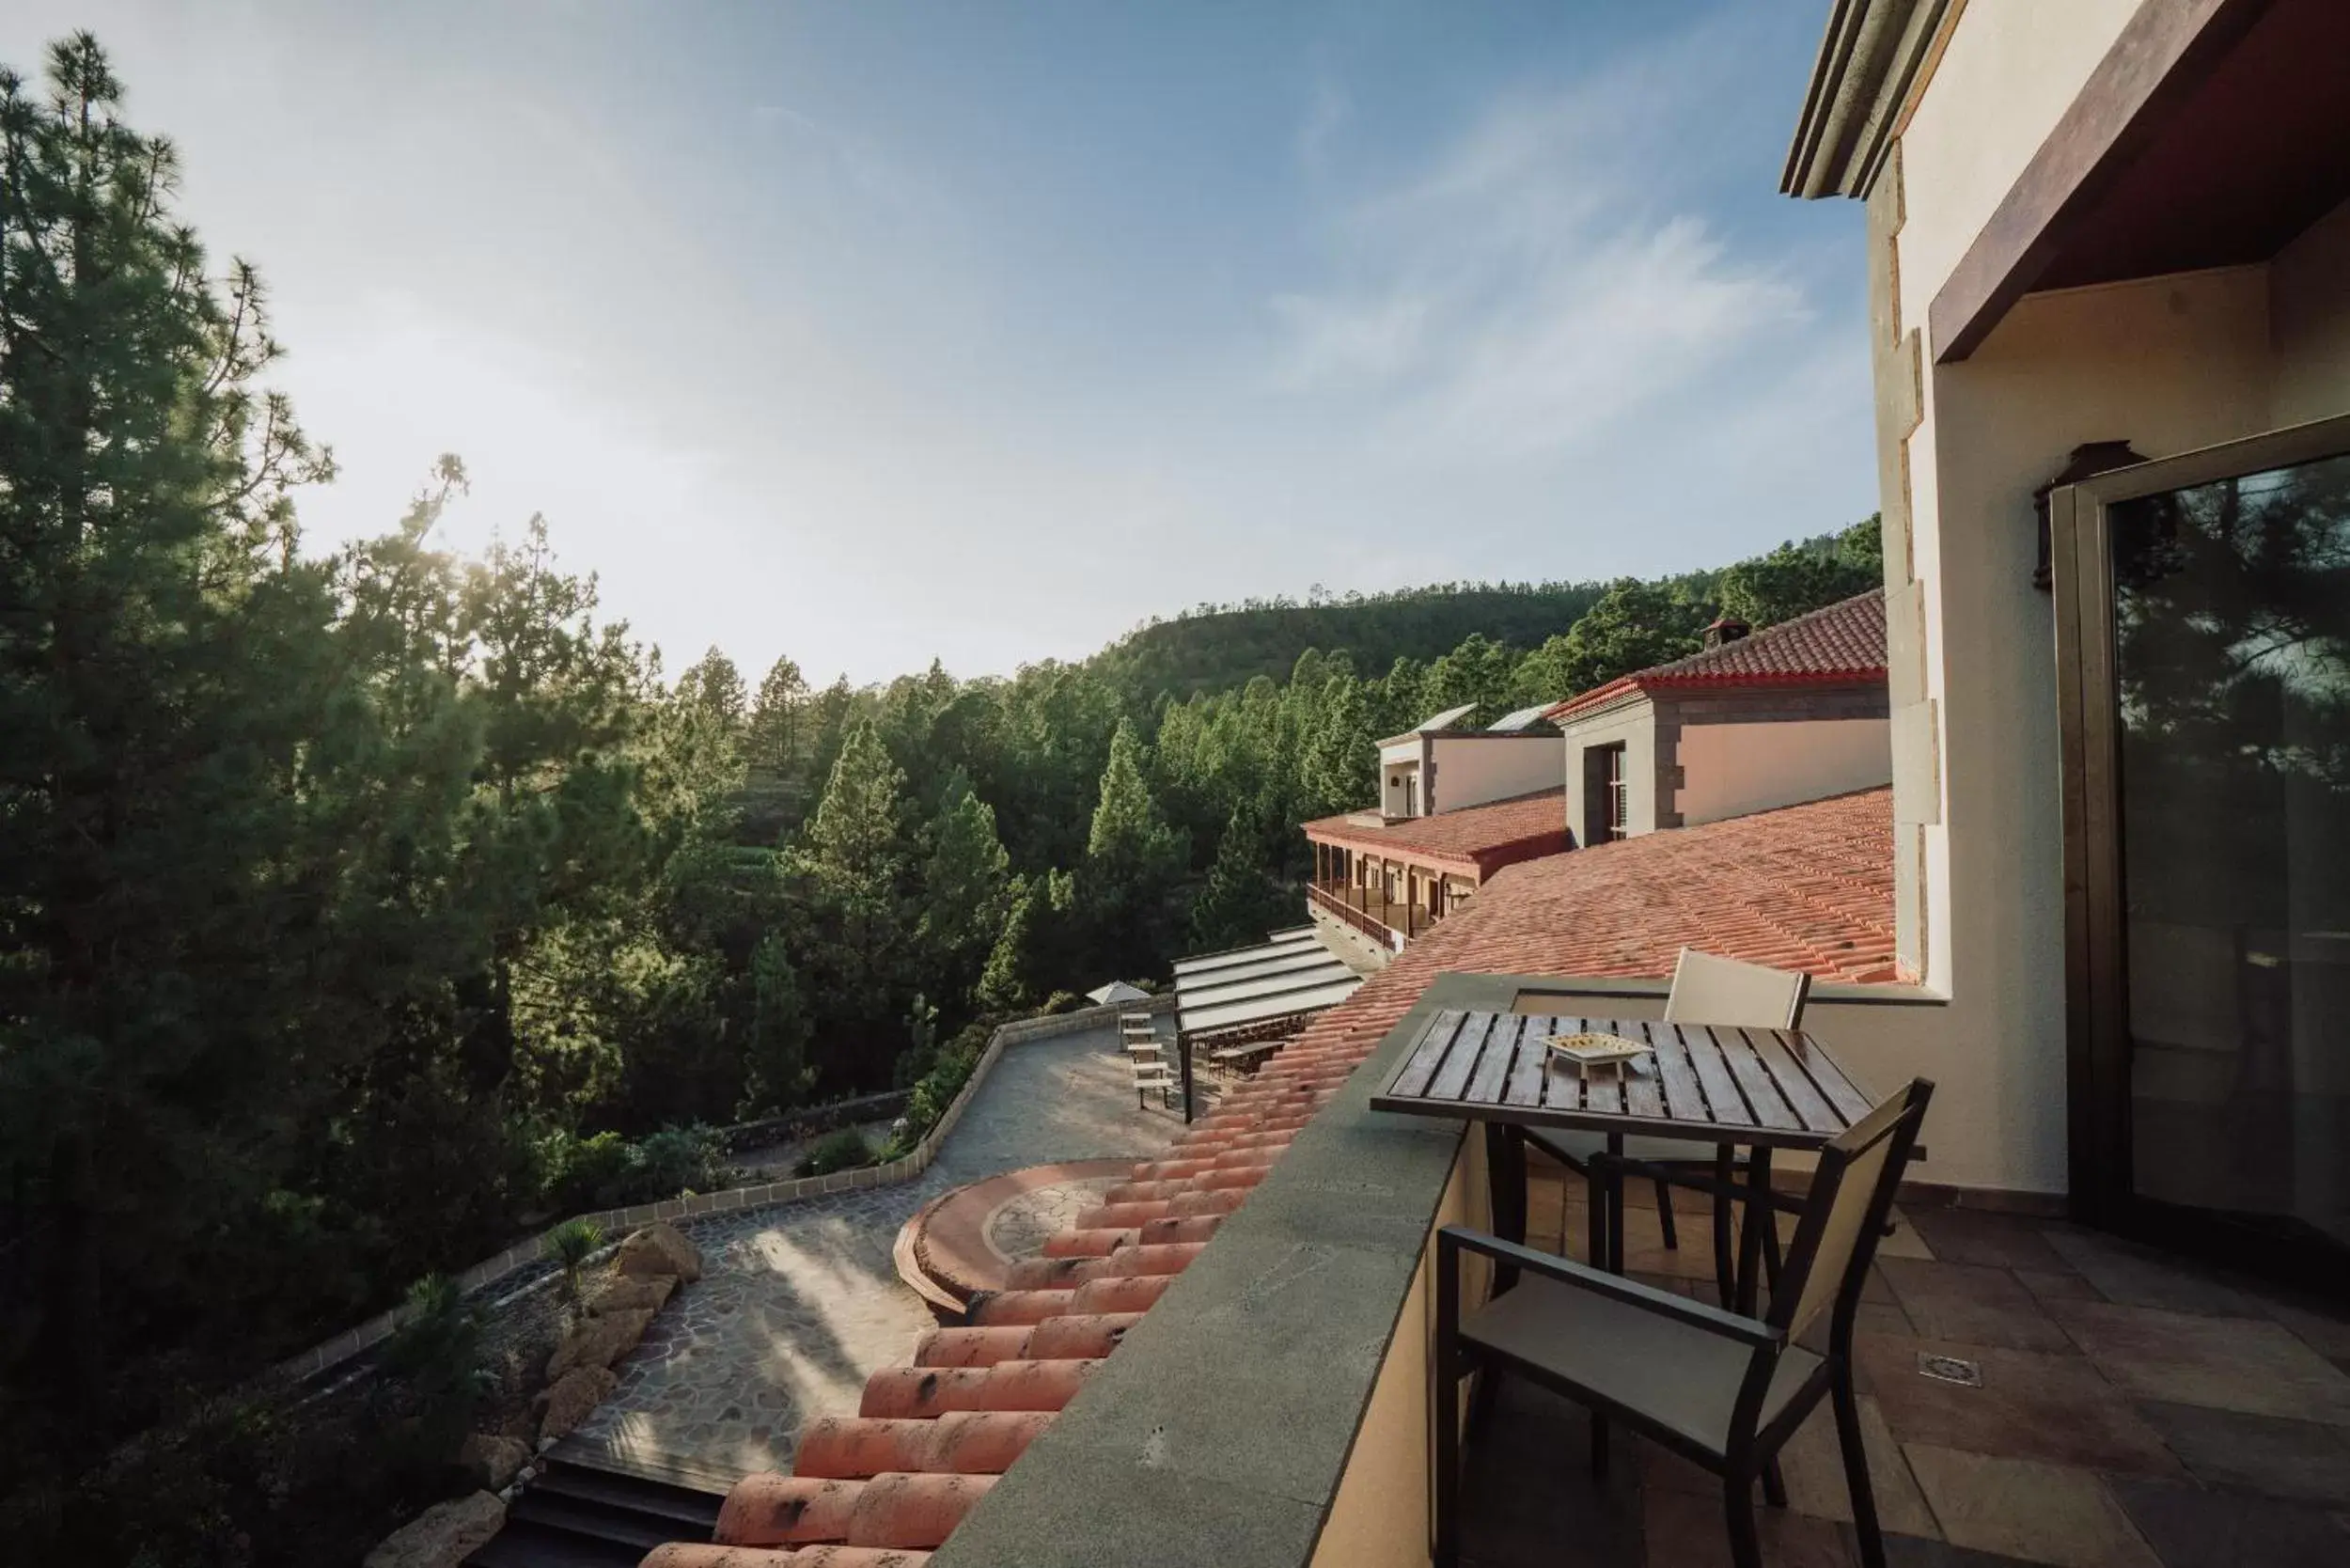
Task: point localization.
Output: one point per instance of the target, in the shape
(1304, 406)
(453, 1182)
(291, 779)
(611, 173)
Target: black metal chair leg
(1746, 1544)
(1665, 1214)
(1848, 1437)
(1725, 1258)
(1774, 1483)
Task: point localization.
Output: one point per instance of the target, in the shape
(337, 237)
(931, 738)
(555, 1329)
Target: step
(525, 1544)
(600, 1521)
(694, 1513)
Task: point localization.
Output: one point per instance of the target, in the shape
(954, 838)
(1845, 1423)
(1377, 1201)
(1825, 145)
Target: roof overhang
(1874, 59)
(2210, 134)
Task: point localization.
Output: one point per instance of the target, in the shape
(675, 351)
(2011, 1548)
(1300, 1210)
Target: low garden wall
(535, 1249)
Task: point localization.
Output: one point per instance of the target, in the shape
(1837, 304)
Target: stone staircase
(580, 1512)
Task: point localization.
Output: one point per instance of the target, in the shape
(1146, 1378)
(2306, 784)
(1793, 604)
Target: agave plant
(573, 1242)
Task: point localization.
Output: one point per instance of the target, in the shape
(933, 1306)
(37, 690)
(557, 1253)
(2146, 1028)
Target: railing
(1385, 921)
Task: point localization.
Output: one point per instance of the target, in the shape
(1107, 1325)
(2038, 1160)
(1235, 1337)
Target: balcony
(1387, 921)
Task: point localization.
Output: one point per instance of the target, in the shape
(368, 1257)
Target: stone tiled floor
(2136, 1411)
(799, 1304)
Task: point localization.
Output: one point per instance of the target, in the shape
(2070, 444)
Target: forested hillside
(360, 912)
(1216, 646)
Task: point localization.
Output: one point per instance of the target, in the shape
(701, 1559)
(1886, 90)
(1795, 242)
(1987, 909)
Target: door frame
(2096, 975)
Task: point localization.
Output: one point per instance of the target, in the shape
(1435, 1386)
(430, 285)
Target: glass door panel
(2229, 729)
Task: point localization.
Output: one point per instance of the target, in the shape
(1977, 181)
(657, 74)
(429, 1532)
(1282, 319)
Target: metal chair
(1705, 990)
(1722, 1390)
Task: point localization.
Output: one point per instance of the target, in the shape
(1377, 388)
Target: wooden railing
(1389, 923)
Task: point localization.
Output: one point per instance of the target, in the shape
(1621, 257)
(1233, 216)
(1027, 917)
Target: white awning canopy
(1292, 974)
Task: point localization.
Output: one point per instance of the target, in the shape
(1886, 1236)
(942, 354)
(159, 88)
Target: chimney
(1727, 629)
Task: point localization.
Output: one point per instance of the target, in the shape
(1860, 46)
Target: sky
(879, 332)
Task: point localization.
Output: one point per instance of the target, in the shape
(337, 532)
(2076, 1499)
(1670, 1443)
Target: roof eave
(1872, 63)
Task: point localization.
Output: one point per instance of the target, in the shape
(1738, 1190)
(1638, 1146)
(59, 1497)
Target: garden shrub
(844, 1150)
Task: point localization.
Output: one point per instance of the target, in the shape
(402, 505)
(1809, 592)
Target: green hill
(1220, 647)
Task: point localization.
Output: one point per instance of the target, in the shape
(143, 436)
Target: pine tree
(858, 939)
(962, 889)
(777, 1075)
(1238, 903)
(167, 677)
(777, 718)
(1132, 859)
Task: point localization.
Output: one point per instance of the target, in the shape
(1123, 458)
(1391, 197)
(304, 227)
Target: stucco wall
(1472, 771)
(2308, 294)
(1379, 1518)
(2010, 72)
(1636, 726)
(1730, 770)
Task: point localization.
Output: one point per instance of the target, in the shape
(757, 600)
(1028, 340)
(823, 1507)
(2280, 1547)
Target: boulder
(659, 1249)
(443, 1536)
(493, 1460)
(598, 1342)
(570, 1399)
(641, 1292)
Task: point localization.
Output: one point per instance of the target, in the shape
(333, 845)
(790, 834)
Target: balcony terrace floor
(2137, 1411)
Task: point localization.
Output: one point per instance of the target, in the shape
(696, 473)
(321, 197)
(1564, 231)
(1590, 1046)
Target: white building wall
(1732, 770)
(2168, 364)
(1472, 771)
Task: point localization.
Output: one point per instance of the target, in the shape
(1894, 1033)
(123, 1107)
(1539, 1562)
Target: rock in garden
(598, 1342)
(493, 1460)
(572, 1398)
(642, 1292)
(659, 1249)
(442, 1536)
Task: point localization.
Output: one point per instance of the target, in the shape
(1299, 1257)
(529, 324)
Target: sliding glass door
(2204, 636)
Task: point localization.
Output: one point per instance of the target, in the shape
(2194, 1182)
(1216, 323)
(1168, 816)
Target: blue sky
(869, 333)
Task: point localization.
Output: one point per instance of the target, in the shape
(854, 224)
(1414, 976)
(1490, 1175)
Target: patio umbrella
(1117, 990)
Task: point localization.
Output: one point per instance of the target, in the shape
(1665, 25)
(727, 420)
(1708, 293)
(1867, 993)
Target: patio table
(1705, 1084)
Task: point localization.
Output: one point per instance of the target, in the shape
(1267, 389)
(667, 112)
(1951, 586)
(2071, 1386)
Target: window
(1606, 795)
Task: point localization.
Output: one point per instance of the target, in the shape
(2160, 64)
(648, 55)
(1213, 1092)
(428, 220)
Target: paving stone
(2192, 1527)
(1978, 1236)
(1973, 1304)
(2135, 1275)
(2031, 1406)
(1813, 1463)
(2248, 1364)
(2268, 1454)
(2021, 1508)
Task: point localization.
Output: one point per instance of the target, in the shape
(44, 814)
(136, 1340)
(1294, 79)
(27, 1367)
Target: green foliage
(573, 1242)
(360, 908)
(1796, 578)
(845, 1150)
(1239, 904)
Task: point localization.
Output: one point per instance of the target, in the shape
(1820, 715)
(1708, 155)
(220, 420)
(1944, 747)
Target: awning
(1292, 974)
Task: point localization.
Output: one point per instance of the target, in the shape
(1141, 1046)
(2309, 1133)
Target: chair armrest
(1730, 1326)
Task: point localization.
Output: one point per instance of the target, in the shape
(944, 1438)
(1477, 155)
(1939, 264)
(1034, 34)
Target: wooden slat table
(1711, 1084)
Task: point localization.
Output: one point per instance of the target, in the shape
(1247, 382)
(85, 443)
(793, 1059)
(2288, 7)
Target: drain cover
(1950, 1368)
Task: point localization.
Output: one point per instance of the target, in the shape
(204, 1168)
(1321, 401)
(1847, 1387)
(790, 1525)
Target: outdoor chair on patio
(1705, 990)
(1722, 1390)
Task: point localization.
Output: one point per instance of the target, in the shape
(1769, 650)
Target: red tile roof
(1844, 642)
(1809, 887)
(1477, 838)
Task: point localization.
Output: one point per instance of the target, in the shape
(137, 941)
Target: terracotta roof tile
(1477, 837)
(1808, 886)
(1844, 642)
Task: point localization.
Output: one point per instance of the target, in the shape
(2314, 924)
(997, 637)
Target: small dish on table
(1587, 1054)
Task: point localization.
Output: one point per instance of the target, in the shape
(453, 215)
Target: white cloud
(1530, 290)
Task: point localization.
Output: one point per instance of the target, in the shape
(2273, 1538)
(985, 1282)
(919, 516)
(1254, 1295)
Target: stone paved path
(799, 1304)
